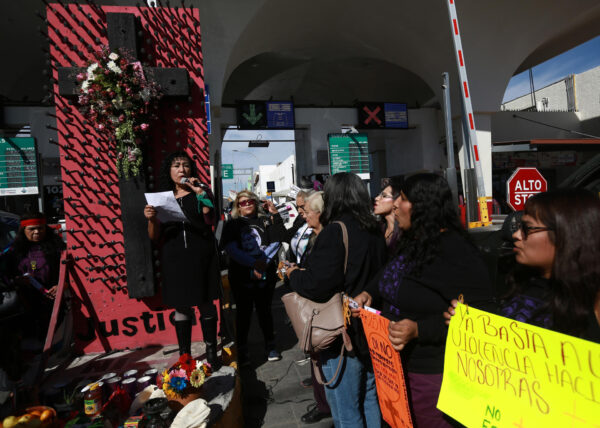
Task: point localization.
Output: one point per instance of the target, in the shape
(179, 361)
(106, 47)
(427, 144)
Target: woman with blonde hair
(247, 239)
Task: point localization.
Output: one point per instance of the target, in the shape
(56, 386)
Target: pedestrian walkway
(272, 393)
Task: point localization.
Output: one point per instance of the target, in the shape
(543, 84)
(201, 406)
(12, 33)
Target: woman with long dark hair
(352, 397)
(435, 262)
(556, 283)
(384, 208)
(33, 261)
(189, 262)
(559, 242)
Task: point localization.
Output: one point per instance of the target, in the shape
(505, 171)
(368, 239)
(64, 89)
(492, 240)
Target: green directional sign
(252, 114)
(227, 171)
(349, 153)
(18, 167)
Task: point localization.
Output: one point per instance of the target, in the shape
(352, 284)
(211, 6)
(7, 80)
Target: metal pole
(466, 97)
(451, 170)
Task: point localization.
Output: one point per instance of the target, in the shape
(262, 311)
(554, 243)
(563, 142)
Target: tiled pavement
(273, 396)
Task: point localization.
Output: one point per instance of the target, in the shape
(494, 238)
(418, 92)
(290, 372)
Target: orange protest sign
(389, 377)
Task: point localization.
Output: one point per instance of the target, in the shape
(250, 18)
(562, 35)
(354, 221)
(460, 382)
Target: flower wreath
(187, 372)
(118, 99)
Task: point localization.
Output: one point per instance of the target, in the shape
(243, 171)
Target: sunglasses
(528, 230)
(384, 196)
(247, 203)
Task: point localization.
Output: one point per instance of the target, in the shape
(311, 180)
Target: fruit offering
(35, 417)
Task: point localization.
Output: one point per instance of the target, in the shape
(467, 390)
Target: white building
(578, 93)
(282, 175)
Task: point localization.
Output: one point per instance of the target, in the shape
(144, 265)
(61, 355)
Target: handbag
(318, 325)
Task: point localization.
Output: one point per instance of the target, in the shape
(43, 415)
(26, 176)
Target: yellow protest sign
(500, 373)
(389, 377)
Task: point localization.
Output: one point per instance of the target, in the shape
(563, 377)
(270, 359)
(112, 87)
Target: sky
(251, 157)
(574, 61)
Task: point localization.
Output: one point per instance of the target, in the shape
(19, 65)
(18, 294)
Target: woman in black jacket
(435, 262)
(189, 262)
(251, 239)
(353, 396)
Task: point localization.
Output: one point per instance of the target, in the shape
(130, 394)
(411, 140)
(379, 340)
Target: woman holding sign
(556, 284)
(434, 263)
(189, 262)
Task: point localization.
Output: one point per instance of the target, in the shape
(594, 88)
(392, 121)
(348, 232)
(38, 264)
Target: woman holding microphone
(189, 262)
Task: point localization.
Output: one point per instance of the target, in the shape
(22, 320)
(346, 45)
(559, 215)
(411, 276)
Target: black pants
(247, 297)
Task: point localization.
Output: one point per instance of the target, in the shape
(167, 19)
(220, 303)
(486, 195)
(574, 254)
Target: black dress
(189, 258)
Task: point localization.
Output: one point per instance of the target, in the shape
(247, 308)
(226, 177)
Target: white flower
(112, 66)
(90, 70)
(145, 94)
(199, 365)
(113, 56)
(85, 85)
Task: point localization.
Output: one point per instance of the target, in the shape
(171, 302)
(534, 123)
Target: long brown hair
(573, 216)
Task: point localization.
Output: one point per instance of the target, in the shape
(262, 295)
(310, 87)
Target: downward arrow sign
(252, 118)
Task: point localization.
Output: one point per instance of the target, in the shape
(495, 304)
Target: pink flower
(81, 76)
(144, 126)
(120, 155)
(128, 90)
(179, 373)
(100, 127)
(122, 118)
(90, 91)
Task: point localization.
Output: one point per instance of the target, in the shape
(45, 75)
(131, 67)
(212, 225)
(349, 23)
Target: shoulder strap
(345, 239)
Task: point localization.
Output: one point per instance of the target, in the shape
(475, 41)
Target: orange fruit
(46, 415)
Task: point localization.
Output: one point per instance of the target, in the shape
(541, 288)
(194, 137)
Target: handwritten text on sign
(503, 373)
(389, 378)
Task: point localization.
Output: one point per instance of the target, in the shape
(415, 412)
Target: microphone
(186, 180)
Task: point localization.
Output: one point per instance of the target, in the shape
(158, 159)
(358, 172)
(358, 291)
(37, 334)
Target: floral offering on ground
(186, 375)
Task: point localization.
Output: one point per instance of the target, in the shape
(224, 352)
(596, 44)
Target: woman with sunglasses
(383, 207)
(189, 260)
(556, 283)
(252, 273)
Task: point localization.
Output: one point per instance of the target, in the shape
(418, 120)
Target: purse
(318, 325)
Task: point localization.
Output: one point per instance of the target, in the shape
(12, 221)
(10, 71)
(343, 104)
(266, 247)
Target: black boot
(209, 331)
(183, 329)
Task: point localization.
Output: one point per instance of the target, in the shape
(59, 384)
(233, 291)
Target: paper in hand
(167, 208)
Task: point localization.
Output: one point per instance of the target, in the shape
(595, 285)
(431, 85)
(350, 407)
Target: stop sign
(522, 184)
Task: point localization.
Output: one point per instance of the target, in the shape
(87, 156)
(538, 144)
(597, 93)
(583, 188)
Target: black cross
(122, 33)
